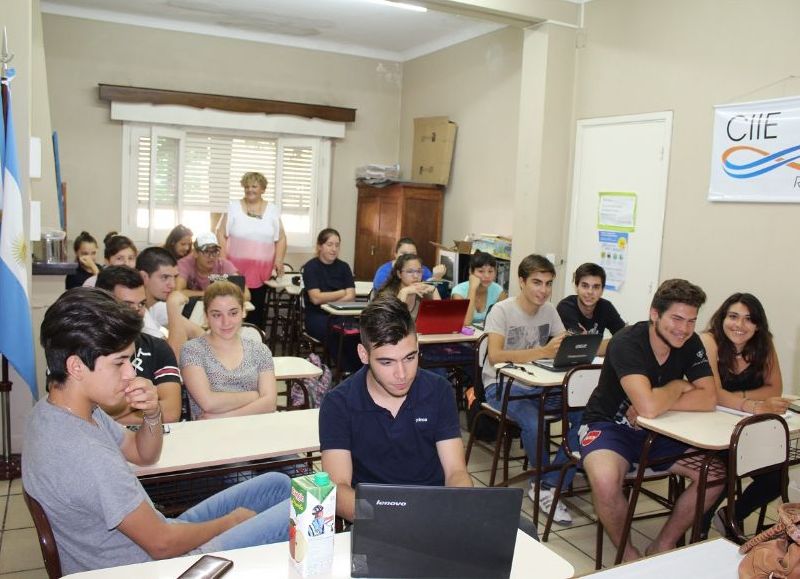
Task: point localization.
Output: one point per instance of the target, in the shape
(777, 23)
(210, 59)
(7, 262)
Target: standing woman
(481, 290)
(179, 242)
(252, 237)
(405, 282)
(85, 247)
(326, 279)
(225, 374)
(748, 377)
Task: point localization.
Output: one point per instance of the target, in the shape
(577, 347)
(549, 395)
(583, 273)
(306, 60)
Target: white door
(627, 154)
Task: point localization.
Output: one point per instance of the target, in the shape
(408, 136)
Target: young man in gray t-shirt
(523, 329)
(76, 457)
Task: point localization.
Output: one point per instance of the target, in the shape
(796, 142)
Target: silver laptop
(418, 531)
(348, 306)
(575, 349)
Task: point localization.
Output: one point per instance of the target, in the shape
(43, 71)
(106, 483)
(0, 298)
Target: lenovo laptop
(574, 350)
(441, 316)
(417, 531)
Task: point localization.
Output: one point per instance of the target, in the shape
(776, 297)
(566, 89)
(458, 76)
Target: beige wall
(686, 56)
(476, 84)
(82, 53)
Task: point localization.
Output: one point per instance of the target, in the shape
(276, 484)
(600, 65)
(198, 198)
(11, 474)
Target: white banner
(756, 152)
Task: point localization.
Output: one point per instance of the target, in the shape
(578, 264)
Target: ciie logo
(380, 503)
(747, 161)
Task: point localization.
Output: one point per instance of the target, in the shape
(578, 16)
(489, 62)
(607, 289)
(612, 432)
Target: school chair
(47, 541)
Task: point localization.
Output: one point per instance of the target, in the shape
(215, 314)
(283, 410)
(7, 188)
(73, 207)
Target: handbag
(774, 553)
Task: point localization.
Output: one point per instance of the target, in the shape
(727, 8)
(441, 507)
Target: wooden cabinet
(385, 214)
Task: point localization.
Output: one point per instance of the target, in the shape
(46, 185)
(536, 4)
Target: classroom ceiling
(369, 28)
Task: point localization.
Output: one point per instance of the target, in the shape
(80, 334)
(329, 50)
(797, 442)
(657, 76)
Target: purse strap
(788, 518)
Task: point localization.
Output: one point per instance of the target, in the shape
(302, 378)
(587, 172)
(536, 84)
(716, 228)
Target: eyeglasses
(210, 252)
(137, 306)
(411, 272)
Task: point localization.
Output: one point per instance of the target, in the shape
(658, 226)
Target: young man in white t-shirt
(523, 329)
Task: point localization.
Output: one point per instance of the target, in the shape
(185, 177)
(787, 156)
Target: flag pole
(10, 464)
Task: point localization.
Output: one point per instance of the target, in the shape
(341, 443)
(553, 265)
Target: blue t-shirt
(386, 449)
(492, 294)
(382, 275)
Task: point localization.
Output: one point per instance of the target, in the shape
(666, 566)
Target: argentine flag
(16, 331)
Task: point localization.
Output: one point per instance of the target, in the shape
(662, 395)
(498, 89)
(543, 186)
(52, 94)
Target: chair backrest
(480, 351)
(253, 332)
(579, 383)
(47, 540)
(758, 442)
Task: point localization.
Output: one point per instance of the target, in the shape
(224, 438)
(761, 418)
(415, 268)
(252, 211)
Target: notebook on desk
(348, 306)
(441, 316)
(416, 531)
(574, 350)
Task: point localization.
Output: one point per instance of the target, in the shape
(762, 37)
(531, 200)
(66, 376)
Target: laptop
(574, 350)
(348, 306)
(418, 531)
(441, 316)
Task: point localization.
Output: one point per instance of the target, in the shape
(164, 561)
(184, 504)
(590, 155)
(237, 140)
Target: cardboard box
(432, 156)
(497, 246)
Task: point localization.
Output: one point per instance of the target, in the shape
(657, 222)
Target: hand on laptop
(552, 346)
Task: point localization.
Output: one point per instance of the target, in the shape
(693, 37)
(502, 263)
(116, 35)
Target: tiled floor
(21, 558)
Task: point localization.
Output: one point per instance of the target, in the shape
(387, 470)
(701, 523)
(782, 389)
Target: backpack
(486, 428)
(317, 387)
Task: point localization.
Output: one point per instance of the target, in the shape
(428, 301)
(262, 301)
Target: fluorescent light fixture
(403, 5)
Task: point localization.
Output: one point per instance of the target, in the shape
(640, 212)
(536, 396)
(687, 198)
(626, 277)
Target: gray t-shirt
(521, 331)
(244, 378)
(86, 487)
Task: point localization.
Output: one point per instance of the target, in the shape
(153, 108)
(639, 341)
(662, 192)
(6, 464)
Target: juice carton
(311, 522)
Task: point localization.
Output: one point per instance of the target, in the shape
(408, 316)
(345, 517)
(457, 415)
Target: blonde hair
(254, 177)
(219, 289)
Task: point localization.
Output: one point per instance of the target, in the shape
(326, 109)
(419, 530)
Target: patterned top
(251, 242)
(244, 378)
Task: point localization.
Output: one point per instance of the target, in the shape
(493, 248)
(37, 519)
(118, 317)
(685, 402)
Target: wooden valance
(132, 94)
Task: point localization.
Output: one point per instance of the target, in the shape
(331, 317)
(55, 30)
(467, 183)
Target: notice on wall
(616, 211)
(614, 257)
(754, 156)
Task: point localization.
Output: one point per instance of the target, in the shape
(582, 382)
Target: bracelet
(152, 421)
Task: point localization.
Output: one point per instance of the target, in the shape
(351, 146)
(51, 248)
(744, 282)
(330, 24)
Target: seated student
(587, 312)
(649, 368)
(390, 422)
(159, 271)
(76, 457)
(118, 250)
(203, 261)
(405, 283)
(85, 247)
(523, 329)
(403, 246)
(327, 279)
(179, 242)
(153, 359)
(224, 374)
(747, 376)
(481, 290)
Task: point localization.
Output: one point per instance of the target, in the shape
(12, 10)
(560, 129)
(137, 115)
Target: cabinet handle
(372, 250)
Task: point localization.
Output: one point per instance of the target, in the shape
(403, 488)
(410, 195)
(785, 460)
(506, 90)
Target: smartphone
(207, 567)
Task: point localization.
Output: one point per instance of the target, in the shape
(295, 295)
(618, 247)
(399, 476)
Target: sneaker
(562, 516)
(719, 522)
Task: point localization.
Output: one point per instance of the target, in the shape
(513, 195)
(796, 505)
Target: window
(190, 175)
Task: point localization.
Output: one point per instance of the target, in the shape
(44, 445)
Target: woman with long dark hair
(405, 282)
(748, 377)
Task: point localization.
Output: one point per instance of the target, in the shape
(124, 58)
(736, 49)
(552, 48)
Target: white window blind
(193, 174)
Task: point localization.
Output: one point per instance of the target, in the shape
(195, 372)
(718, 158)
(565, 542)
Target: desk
(716, 559)
(348, 313)
(294, 368)
(457, 338)
(226, 441)
(273, 561)
(363, 289)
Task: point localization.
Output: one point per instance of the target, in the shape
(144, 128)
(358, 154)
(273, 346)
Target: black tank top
(747, 379)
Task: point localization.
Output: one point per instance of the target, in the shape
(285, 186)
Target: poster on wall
(616, 211)
(755, 156)
(614, 257)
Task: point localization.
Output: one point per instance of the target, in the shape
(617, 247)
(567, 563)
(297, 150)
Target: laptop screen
(415, 531)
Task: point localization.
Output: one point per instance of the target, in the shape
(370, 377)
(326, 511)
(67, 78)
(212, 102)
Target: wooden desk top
(531, 375)
(273, 561)
(706, 430)
(715, 559)
(223, 441)
(292, 367)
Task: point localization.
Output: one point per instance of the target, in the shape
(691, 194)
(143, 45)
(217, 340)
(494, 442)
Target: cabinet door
(422, 221)
(367, 228)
